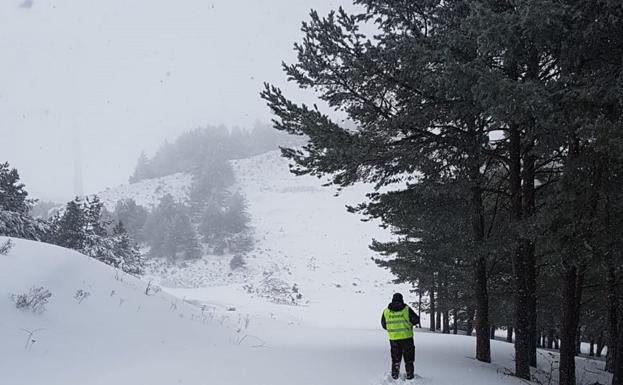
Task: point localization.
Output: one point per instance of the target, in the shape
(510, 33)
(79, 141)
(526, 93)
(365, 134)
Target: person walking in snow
(398, 319)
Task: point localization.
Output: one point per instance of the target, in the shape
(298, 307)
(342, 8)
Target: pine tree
(143, 169)
(93, 211)
(69, 228)
(236, 217)
(15, 218)
(133, 217)
(184, 238)
(130, 259)
(512, 101)
(411, 96)
(13, 196)
(170, 231)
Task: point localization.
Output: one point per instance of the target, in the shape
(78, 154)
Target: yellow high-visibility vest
(399, 327)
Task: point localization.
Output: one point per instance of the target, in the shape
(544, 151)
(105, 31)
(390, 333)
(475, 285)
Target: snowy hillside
(147, 193)
(118, 335)
(308, 247)
(112, 331)
(306, 306)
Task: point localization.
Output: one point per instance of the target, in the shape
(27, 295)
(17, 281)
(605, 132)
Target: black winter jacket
(398, 306)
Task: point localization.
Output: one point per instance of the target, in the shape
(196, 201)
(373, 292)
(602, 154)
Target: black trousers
(402, 349)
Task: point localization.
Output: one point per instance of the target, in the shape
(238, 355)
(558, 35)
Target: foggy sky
(128, 74)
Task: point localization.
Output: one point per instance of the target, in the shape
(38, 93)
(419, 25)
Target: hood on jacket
(397, 303)
(396, 306)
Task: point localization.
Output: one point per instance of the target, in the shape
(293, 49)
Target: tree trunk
(419, 305)
(439, 324)
(578, 343)
(483, 344)
(568, 327)
(509, 334)
(432, 305)
(612, 320)
(600, 344)
(455, 317)
(524, 340)
(528, 209)
(550, 339)
(523, 321)
(591, 351)
(579, 285)
(446, 321)
(469, 324)
(557, 342)
(617, 378)
(492, 332)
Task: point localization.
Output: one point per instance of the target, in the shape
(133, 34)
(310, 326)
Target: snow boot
(410, 376)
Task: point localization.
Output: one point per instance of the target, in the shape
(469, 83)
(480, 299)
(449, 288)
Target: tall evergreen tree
(410, 92)
(512, 101)
(170, 232)
(15, 218)
(13, 196)
(132, 216)
(68, 229)
(130, 260)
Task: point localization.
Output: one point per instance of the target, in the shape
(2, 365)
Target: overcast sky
(128, 74)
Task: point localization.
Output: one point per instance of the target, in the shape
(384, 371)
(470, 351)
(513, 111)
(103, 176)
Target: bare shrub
(152, 289)
(81, 295)
(35, 300)
(30, 337)
(6, 247)
(237, 262)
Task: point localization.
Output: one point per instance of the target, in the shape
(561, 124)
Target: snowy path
(339, 343)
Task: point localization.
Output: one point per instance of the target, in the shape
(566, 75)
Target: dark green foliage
(132, 216)
(69, 228)
(130, 259)
(82, 226)
(492, 132)
(13, 196)
(212, 212)
(224, 225)
(211, 178)
(15, 218)
(170, 233)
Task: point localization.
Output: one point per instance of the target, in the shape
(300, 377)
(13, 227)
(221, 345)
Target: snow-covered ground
(118, 335)
(149, 192)
(305, 309)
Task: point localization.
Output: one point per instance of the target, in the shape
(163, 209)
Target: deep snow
(149, 340)
(210, 325)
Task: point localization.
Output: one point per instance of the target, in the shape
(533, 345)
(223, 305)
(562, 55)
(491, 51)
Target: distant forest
(203, 145)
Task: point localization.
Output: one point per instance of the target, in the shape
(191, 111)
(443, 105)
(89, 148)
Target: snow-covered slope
(149, 192)
(112, 333)
(118, 335)
(306, 237)
(307, 245)
(308, 249)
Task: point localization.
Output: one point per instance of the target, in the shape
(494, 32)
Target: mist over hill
(196, 150)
